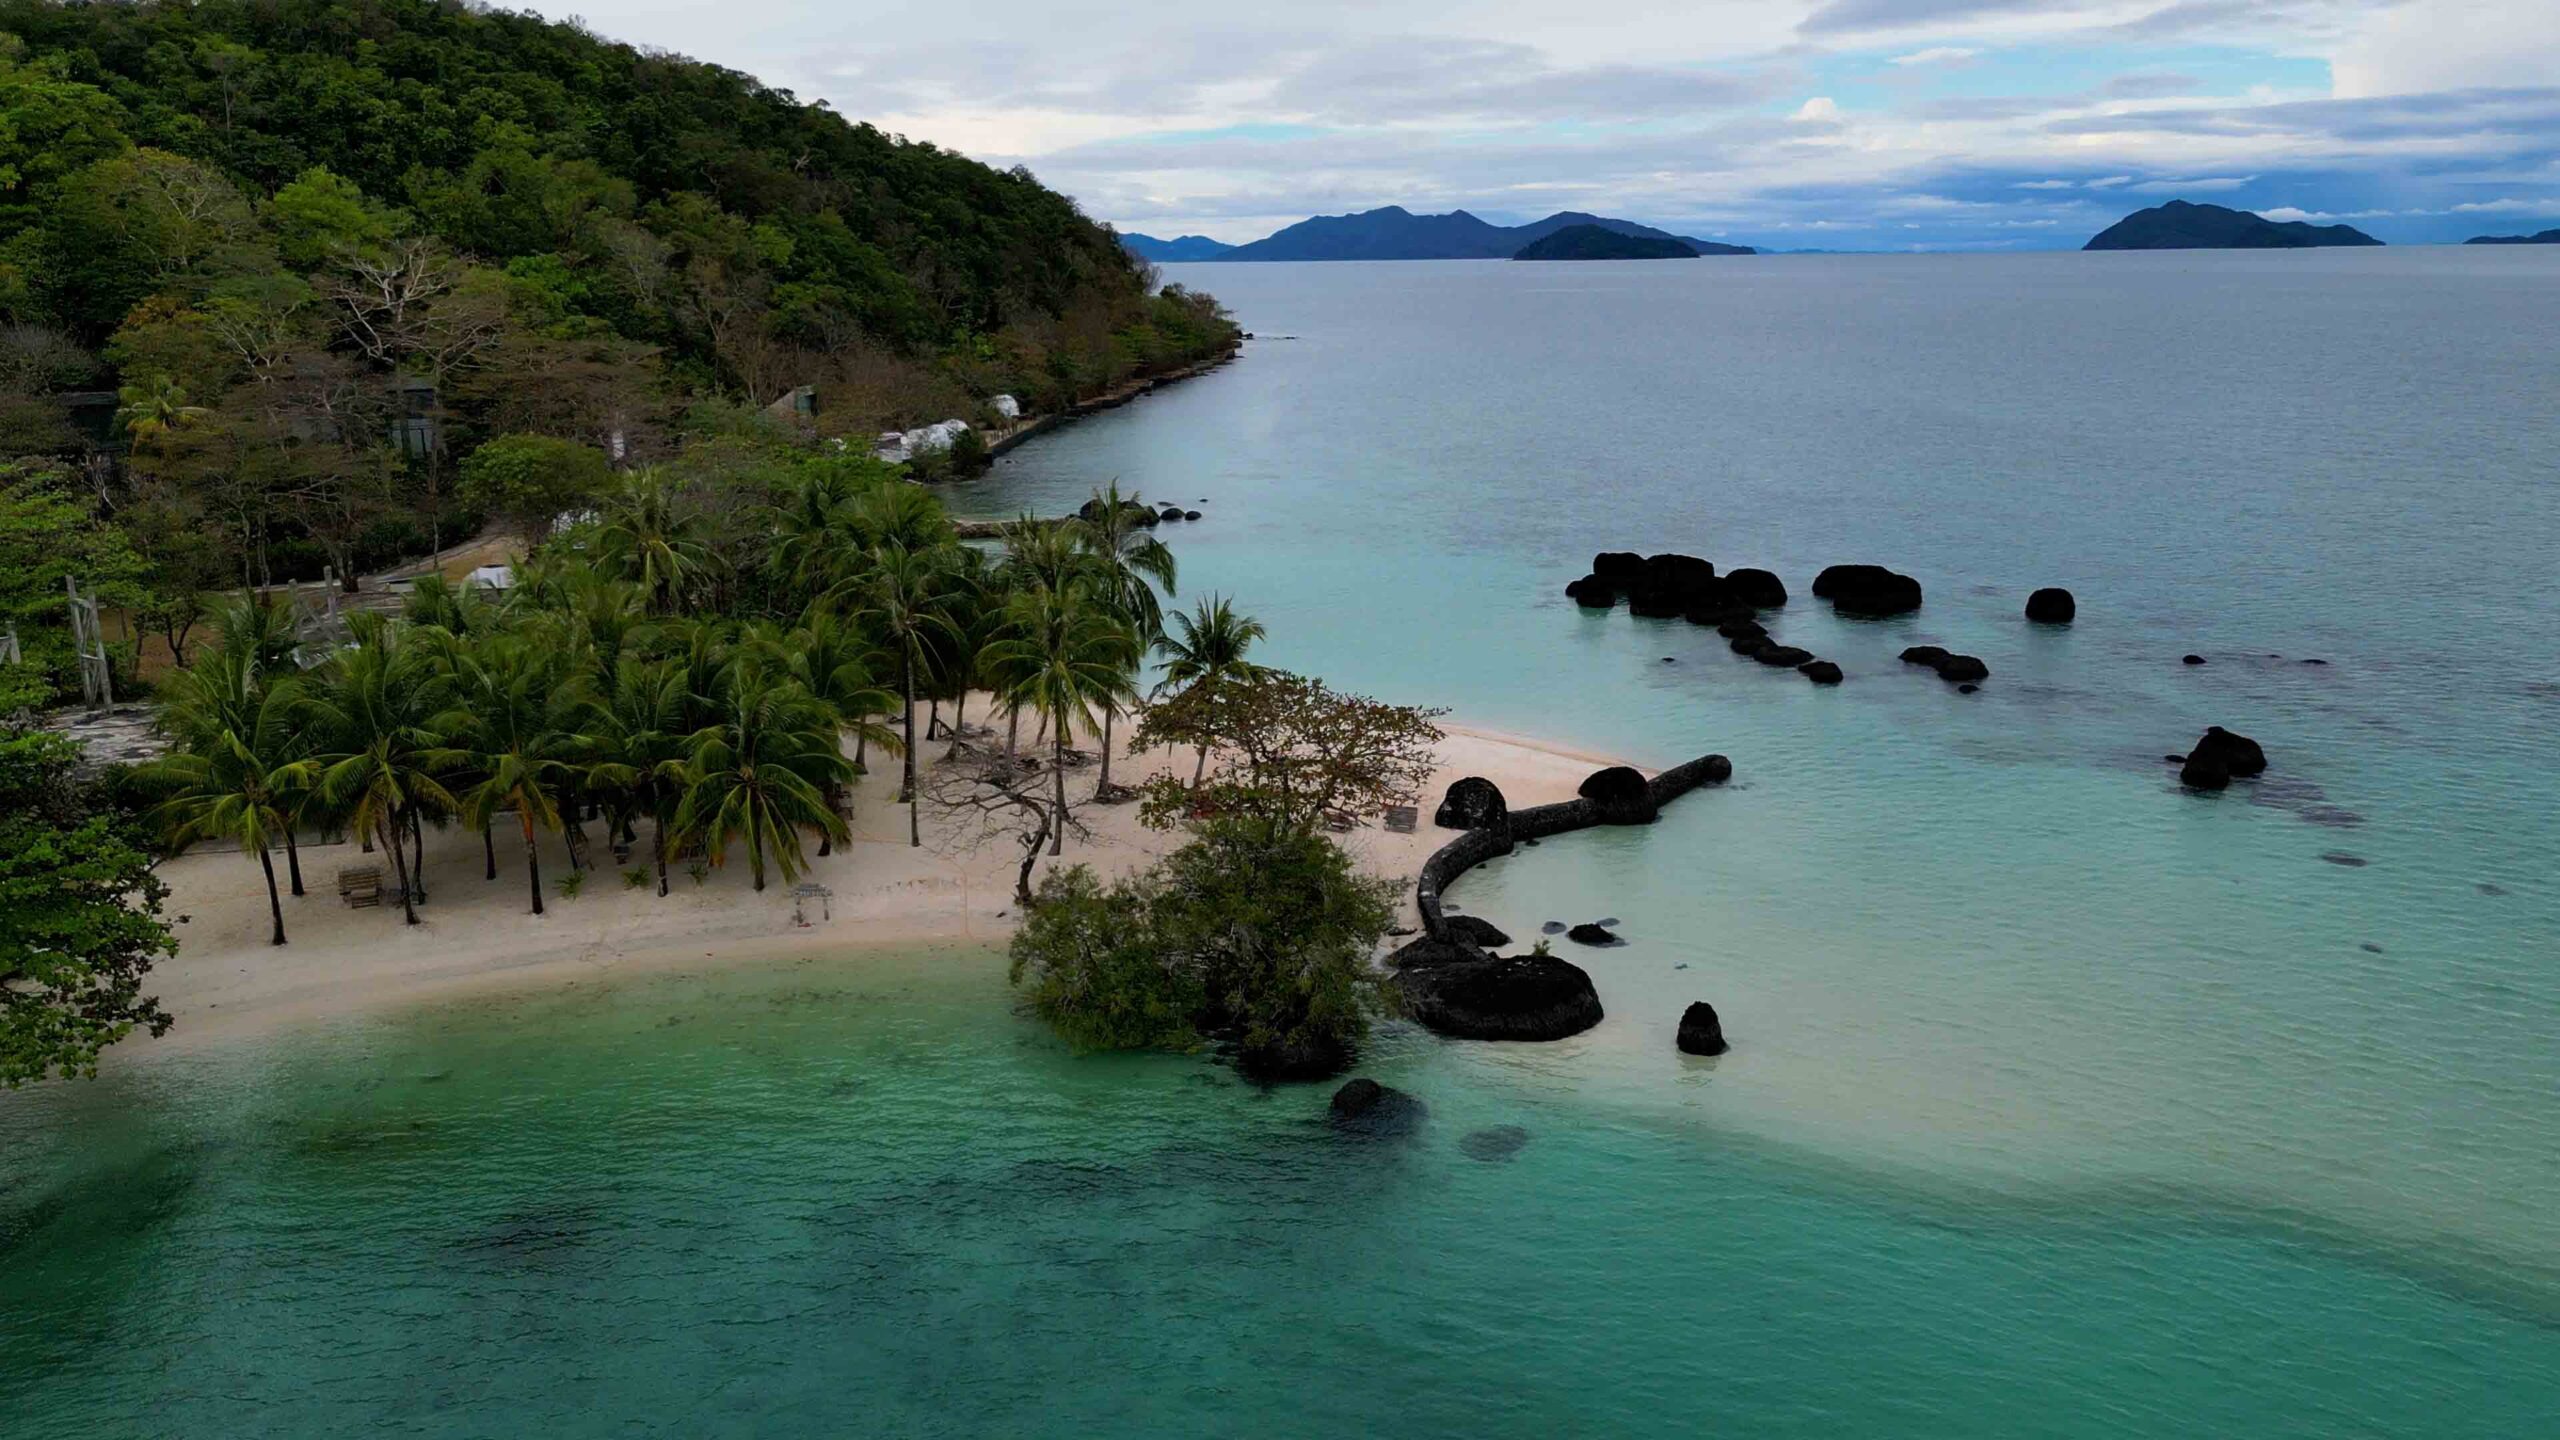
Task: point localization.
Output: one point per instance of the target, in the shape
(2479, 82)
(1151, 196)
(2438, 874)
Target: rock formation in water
(1820, 672)
(1868, 590)
(1588, 933)
(1782, 657)
(1757, 588)
(1476, 931)
(2237, 754)
(2052, 605)
(1701, 1033)
(1476, 996)
(1619, 795)
(1365, 1107)
(1962, 669)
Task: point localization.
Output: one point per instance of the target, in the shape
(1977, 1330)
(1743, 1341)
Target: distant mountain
(1176, 250)
(1395, 233)
(2547, 237)
(1591, 242)
(2179, 225)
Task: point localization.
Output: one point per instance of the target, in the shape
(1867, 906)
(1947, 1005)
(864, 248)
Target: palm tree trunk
(408, 893)
(292, 859)
(1058, 762)
(915, 827)
(658, 852)
(1012, 731)
(275, 906)
(532, 856)
(959, 715)
(1108, 710)
(489, 850)
(418, 851)
(1200, 769)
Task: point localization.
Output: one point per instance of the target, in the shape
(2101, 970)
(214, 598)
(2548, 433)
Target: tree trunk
(658, 852)
(1200, 769)
(1108, 710)
(827, 837)
(915, 827)
(532, 856)
(292, 859)
(1012, 731)
(959, 718)
(489, 851)
(1058, 758)
(275, 906)
(1030, 857)
(418, 851)
(408, 893)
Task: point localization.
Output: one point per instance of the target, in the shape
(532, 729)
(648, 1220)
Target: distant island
(1590, 242)
(2546, 237)
(1395, 233)
(2180, 225)
(1176, 250)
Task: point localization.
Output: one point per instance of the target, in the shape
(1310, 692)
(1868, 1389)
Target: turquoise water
(2061, 1103)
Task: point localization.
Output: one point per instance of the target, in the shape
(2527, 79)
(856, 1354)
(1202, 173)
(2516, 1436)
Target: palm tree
(905, 601)
(1130, 562)
(1206, 647)
(520, 720)
(652, 537)
(813, 530)
(222, 785)
(643, 735)
(379, 753)
(1063, 657)
(153, 407)
(761, 774)
(242, 692)
(830, 660)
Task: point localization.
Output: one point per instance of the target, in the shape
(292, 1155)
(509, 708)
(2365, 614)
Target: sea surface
(2061, 1103)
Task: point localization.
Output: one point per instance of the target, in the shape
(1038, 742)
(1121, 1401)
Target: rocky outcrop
(1960, 669)
(1473, 803)
(1138, 511)
(1365, 1107)
(1494, 997)
(1529, 826)
(1749, 644)
(2052, 605)
(1701, 1033)
(2204, 772)
(1592, 591)
(2238, 755)
(1587, 933)
(1870, 590)
(1928, 655)
(1476, 931)
(1758, 589)
(1820, 672)
(1783, 657)
(1669, 586)
(1736, 628)
(1619, 567)
(1619, 795)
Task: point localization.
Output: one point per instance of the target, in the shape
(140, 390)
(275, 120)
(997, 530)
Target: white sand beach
(477, 935)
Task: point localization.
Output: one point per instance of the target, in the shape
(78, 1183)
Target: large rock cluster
(1870, 590)
(2219, 758)
(1456, 989)
(1684, 587)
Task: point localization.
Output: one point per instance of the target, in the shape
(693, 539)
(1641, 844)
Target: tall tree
(1130, 562)
(521, 720)
(227, 785)
(1063, 657)
(1206, 647)
(380, 756)
(906, 600)
(760, 774)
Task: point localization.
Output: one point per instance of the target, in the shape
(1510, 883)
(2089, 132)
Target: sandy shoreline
(478, 938)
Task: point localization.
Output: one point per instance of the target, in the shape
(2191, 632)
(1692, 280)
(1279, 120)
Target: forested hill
(162, 161)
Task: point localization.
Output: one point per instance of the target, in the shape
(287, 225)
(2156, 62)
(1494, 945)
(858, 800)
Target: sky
(1787, 124)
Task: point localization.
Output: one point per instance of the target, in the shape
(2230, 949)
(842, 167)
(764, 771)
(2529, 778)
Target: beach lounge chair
(360, 886)
(1400, 819)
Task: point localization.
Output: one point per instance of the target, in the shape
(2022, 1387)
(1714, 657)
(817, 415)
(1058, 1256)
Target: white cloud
(2108, 182)
(2509, 207)
(1820, 107)
(1936, 55)
(2202, 185)
(2326, 217)
(2043, 185)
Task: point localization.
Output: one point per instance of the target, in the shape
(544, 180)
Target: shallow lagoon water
(2061, 1103)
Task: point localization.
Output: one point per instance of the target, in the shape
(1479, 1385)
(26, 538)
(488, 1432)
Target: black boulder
(1473, 803)
(2052, 605)
(1701, 1033)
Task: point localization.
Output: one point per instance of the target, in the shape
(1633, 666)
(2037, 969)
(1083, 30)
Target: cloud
(2203, 185)
(2044, 185)
(1819, 108)
(2509, 207)
(2149, 85)
(1935, 55)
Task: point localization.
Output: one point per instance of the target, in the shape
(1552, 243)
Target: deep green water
(2062, 1103)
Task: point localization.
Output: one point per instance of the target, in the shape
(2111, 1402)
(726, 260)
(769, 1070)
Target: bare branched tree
(1005, 796)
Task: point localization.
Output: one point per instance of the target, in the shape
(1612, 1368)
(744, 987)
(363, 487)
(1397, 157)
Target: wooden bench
(360, 886)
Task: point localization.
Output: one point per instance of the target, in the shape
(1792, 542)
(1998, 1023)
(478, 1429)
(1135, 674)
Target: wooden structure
(89, 641)
(360, 886)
